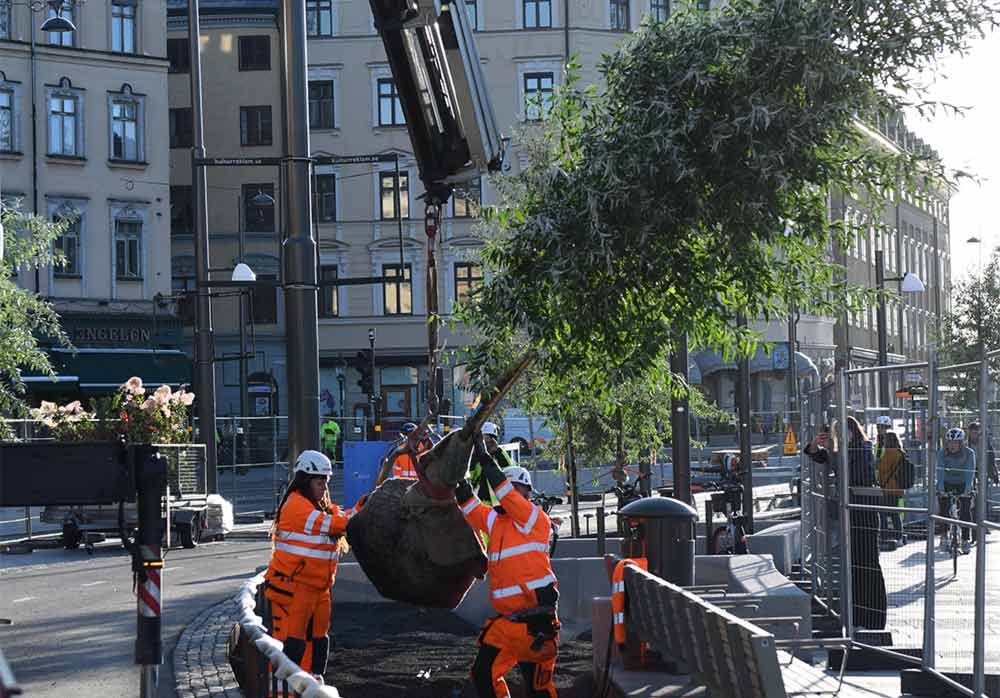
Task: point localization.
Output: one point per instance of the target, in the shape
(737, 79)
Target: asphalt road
(74, 615)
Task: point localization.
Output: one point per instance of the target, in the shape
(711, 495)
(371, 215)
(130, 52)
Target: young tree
(975, 313)
(25, 317)
(692, 187)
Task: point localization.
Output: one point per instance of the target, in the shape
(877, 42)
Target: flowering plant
(159, 417)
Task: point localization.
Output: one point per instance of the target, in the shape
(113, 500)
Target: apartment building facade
(94, 155)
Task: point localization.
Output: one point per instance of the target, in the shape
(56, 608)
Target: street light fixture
(911, 283)
(57, 24)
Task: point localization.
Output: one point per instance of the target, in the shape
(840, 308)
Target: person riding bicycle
(956, 470)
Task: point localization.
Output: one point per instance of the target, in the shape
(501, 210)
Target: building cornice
(81, 55)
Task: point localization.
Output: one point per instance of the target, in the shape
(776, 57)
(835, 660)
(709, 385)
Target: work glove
(463, 491)
(361, 502)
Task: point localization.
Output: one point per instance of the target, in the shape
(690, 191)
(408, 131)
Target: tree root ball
(422, 555)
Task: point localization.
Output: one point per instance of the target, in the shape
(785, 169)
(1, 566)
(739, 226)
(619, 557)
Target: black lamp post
(911, 283)
(376, 425)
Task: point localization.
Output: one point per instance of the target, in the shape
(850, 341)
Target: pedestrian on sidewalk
(892, 466)
(868, 595)
(309, 537)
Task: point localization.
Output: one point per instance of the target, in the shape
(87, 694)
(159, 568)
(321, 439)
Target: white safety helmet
(884, 421)
(955, 434)
(313, 463)
(518, 475)
(491, 429)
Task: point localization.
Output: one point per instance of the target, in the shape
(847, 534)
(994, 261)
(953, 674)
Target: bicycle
(545, 502)
(952, 536)
(731, 538)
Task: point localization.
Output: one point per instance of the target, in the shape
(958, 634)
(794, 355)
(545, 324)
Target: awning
(102, 371)
(711, 362)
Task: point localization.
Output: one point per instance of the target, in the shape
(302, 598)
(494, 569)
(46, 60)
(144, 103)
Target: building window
(619, 15)
(123, 26)
(258, 219)
(328, 294)
(326, 198)
(68, 244)
(390, 109)
(319, 17)
(181, 128)
(179, 54)
(472, 8)
(128, 248)
(660, 9)
(387, 189)
(468, 276)
(467, 198)
(538, 88)
(255, 125)
(537, 14)
(4, 19)
(264, 301)
(321, 104)
(62, 38)
(181, 210)
(255, 52)
(397, 296)
(125, 135)
(6, 119)
(63, 125)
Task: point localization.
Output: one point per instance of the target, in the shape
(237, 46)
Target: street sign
(914, 377)
(354, 159)
(779, 357)
(237, 162)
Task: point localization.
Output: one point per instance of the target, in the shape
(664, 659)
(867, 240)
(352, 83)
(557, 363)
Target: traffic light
(363, 364)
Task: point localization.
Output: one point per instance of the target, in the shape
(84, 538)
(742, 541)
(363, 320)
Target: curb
(201, 664)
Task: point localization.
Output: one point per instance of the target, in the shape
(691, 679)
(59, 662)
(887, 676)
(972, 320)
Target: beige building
(241, 75)
(95, 154)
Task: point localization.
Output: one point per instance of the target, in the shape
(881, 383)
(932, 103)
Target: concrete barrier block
(782, 542)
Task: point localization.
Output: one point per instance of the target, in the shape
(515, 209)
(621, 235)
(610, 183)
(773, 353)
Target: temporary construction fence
(914, 589)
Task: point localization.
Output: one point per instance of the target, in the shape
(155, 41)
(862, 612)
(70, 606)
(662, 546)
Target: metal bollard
(600, 531)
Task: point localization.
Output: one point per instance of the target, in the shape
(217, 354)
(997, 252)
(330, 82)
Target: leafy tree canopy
(692, 187)
(975, 310)
(24, 316)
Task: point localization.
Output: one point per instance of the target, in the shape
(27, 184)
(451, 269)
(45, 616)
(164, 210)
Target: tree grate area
(393, 650)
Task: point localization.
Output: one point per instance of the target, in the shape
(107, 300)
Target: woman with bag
(894, 476)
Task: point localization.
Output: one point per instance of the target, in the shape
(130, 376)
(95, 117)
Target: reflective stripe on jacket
(618, 594)
(305, 544)
(518, 548)
(405, 465)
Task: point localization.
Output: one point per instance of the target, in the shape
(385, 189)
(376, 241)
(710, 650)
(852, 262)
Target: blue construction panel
(361, 463)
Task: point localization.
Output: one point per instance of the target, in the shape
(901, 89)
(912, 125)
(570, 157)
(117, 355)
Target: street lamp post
(911, 283)
(376, 424)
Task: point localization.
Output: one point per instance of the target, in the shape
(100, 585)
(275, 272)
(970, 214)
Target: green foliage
(975, 308)
(24, 316)
(693, 186)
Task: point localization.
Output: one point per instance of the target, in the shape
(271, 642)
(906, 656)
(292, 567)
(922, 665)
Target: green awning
(102, 371)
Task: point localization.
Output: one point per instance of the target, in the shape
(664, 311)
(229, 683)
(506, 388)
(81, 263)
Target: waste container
(667, 528)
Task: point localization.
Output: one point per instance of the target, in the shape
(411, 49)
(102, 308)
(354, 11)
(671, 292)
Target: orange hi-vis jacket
(518, 548)
(305, 547)
(405, 465)
(618, 594)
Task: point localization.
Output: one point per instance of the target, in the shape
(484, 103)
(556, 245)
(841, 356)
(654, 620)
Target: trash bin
(667, 525)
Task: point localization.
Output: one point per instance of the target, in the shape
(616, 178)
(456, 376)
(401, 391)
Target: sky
(969, 142)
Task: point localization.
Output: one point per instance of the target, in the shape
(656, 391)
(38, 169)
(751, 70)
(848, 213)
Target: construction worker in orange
(308, 535)
(523, 589)
(405, 464)
(618, 594)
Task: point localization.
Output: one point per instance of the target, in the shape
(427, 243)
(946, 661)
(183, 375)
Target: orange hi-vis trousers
(504, 643)
(300, 618)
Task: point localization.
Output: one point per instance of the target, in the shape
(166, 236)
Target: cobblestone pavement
(201, 667)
